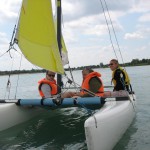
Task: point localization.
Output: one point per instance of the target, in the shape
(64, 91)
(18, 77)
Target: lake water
(64, 129)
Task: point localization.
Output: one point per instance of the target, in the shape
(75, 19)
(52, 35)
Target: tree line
(134, 62)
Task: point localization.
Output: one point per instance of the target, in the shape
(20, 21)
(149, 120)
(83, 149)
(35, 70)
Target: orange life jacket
(85, 84)
(52, 85)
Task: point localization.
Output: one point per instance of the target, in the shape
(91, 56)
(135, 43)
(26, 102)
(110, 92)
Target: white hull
(11, 114)
(107, 126)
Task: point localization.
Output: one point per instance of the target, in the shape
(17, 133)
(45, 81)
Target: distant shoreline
(67, 69)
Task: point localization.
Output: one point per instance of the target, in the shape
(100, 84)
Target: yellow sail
(36, 35)
(64, 53)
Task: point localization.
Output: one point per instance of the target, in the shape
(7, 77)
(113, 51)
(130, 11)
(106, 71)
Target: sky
(85, 31)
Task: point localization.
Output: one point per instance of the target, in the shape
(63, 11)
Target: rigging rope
(70, 81)
(11, 44)
(114, 36)
(108, 28)
(18, 77)
(114, 31)
(78, 88)
(8, 87)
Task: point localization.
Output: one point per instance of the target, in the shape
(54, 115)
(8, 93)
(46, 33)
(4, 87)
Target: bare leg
(67, 94)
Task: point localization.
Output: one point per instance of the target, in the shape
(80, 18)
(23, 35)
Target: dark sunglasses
(111, 64)
(51, 75)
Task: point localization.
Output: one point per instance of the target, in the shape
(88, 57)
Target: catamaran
(42, 44)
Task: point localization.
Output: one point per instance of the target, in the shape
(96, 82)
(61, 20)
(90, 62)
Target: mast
(59, 78)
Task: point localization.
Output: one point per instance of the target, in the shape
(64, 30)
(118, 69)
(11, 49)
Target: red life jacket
(85, 84)
(52, 85)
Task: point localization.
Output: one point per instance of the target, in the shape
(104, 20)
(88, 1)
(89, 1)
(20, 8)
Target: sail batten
(36, 35)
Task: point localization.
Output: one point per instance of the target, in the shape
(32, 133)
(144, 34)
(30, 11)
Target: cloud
(77, 9)
(85, 30)
(3, 42)
(91, 26)
(141, 33)
(9, 10)
(145, 18)
(3, 38)
(141, 6)
(133, 36)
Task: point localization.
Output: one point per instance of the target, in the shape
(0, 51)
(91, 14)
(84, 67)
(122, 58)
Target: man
(47, 86)
(92, 84)
(120, 77)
